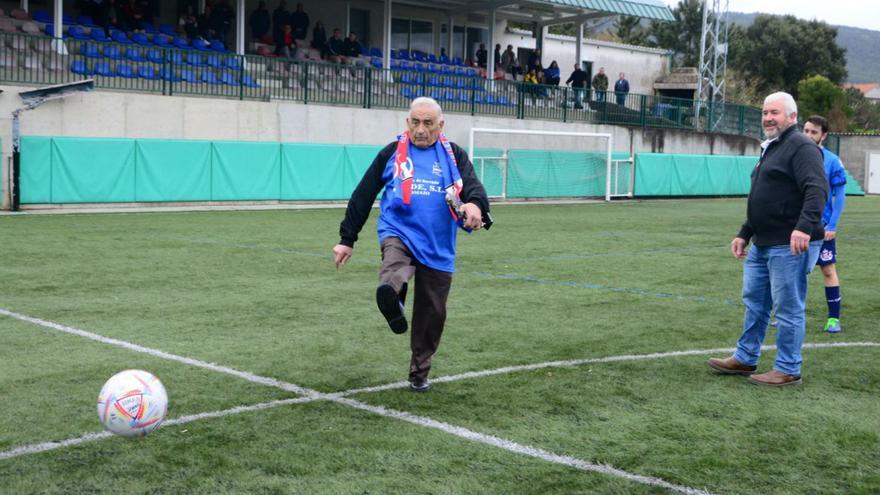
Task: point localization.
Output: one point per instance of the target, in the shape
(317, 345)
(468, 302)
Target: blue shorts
(828, 253)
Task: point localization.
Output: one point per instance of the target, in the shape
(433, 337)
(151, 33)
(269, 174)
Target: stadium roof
(549, 12)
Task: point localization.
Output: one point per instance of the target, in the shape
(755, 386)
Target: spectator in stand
(600, 84)
(336, 48)
(188, 24)
(319, 39)
(299, 21)
(260, 21)
(444, 58)
(288, 48)
(482, 56)
(111, 15)
(221, 19)
(552, 75)
(351, 48)
(578, 81)
(203, 24)
(509, 63)
(280, 17)
(529, 84)
(133, 16)
(621, 89)
(497, 54)
(534, 62)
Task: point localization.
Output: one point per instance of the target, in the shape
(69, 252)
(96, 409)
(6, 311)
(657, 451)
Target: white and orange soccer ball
(132, 403)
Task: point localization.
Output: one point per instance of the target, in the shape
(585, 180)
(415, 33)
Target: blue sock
(832, 295)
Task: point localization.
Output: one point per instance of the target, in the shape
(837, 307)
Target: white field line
(339, 397)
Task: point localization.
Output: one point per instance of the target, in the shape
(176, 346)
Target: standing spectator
(784, 222)
(600, 84)
(497, 54)
(816, 128)
(280, 17)
(621, 89)
(578, 81)
(417, 229)
(299, 21)
(336, 48)
(319, 39)
(188, 24)
(534, 62)
(552, 75)
(133, 16)
(482, 56)
(203, 24)
(260, 22)
(288, 47)
(221, 19)
(509, 62)
(351, 47)
(444, 58)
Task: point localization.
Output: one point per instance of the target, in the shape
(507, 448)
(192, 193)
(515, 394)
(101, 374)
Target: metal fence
(42, 60)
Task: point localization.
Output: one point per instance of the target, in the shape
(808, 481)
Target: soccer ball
(132, 403)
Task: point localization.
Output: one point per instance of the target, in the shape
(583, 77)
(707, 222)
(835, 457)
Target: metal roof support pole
(239, 27)
(386, 37)
(490, 64)
(580, 44)
(451, 34)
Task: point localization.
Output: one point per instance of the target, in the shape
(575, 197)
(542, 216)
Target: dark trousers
(429, 301)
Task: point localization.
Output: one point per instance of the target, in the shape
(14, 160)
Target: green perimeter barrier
(660, 174)
(57, 170)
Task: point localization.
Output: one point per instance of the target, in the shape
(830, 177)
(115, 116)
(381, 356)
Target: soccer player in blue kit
(816, 128)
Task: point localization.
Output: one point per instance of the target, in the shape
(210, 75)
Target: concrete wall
(854, 155)
(131, 115)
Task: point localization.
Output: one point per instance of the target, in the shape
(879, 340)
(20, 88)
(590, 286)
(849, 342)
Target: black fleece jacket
(371, 185)
(788, 192)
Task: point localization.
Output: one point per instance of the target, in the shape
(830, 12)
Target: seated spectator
(260, 22)
(529, 84)
(351, 47)
(336, 48)
(221, 19)
(288, 46)
(187, 24)
(534, 61)
(132, 16)
(203, 24)
(319, 39)
(482, 56)
(444, 58)
(299, 21)
(552, 75)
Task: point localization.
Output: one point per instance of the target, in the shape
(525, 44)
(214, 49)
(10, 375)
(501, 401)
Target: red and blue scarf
(404, 171)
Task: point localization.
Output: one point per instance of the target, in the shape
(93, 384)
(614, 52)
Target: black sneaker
(420, 385)
(391, 308)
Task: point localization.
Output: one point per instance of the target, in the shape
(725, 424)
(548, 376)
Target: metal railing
(42, 60)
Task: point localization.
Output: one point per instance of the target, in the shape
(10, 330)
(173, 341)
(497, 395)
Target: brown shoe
(730, 366)
(775, 378)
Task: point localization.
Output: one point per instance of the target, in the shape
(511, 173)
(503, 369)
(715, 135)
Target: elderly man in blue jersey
(816, 128)
(430, 191)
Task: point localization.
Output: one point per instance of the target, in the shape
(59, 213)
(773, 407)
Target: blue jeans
(773, 278)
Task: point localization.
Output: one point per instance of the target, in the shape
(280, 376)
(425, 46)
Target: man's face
(602, 70)
(775, 120)
(814, 132)
(622, 75)
(424, 126)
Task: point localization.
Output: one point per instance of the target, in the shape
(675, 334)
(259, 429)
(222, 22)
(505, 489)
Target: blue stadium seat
(395, 64)
(233, 63)
(217, 46)
(134, 54)
(125, 70)
(77, 32)
(375, 52)
(418, 68)
(214, 61)
(443, 59)
(112, 52)
(141, 39)
(162, 41)
(449, 82)
(504, 101)
(464, 96)
(403, 54)
(42, 16)
(200, 44)
(155, 55)
(394, 55)
(80, 67)
(433, 68)
(478, 97)
(49, 29)
(90, 50)
(150, 28)
(436, 94)
(489, 99)
(434, 81)
(432, 58)
(147, 72)
(166, 29)
(407, 92)
(195, 59)
(180, 42)
(188, 76)
(404, 65)
(86, 20)
(97, 34)
(459, 71)
(103, 69)
(248, 81)
(449, 95)
(228, 78)
(209, 77)
(120, 37)
(457, 61)
(169, 74)
(418, 56)
(376, 62)
(365, 51)
(174, 56)
(471, 72)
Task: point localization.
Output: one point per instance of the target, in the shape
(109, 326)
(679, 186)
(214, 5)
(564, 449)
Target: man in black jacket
(784, 223)
(430, 190)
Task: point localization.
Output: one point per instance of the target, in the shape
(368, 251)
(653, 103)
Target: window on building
(457, 40)
(412, 35)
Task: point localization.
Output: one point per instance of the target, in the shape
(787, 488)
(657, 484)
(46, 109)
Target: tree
(866, 114)
(777, 52)
(819, 96)
(628, 29)
(682, 35)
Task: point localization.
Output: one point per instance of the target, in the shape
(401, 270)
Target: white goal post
(612, 166)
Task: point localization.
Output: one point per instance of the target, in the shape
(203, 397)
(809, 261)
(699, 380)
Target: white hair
(425, 101)
(787, 101)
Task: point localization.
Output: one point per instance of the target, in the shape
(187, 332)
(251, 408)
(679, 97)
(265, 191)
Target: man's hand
(830, 235)
(738, 247)
(341, 254)
(800, 242)
(473, 217)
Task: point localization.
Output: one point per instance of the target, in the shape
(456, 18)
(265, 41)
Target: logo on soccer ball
(132, 403)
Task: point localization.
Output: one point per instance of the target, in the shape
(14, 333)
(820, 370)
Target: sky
(857, 13)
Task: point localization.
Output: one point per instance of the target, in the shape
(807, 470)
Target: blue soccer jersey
(836, 175)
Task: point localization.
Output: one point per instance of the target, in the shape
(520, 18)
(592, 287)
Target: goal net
(524, 164)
